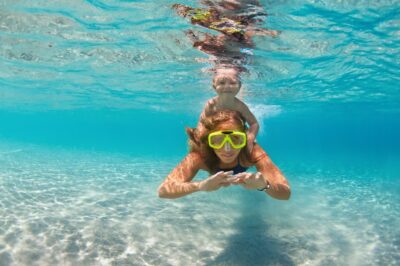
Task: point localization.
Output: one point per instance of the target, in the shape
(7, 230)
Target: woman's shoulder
(196, 160)
(194, 156)
(256, 155)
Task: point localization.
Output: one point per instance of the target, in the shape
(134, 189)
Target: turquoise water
(94, 98)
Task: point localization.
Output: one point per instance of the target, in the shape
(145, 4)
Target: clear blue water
(94, 97)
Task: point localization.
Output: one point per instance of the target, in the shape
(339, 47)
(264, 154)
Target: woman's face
(227, 154)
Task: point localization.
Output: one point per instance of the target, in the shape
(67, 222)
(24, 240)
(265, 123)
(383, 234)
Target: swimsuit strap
(236, 170)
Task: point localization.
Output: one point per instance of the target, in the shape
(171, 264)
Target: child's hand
(249, 147)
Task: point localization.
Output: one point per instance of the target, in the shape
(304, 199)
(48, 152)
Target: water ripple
(327, 52)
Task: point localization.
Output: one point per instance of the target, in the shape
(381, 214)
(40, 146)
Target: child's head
(226, 80)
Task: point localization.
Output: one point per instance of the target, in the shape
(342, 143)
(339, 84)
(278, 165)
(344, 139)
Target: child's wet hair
(237, 77)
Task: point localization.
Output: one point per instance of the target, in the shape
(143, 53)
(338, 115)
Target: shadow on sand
(251, 245)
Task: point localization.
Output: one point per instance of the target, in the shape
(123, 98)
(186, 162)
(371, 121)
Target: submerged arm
(178, 182)
(280, 188)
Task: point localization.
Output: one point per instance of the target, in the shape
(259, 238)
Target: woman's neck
(223, 165)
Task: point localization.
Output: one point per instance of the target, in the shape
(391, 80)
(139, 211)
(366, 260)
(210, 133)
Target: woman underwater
(222, 153)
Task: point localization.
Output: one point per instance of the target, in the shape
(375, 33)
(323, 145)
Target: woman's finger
(225, 184)
(254, 176)
(246, 176)
(237, 182)
(231, 179)
(216, 175)
(241, 175)
(225, 175)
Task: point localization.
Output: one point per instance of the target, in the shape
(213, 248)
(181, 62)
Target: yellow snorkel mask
(237, 139)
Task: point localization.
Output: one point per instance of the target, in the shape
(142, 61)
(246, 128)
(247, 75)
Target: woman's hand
(214, 182)
(251, 180)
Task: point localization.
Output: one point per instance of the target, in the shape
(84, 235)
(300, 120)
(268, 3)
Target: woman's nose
(227, 146)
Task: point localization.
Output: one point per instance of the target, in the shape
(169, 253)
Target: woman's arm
(178, 182)
(280, 188)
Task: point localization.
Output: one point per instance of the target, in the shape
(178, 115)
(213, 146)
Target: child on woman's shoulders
(226, 83)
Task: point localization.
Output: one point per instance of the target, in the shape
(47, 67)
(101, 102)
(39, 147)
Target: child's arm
(250, 32)
(253, 124)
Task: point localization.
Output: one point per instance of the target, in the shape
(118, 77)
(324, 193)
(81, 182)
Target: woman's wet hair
(198, 138)
(221, 117)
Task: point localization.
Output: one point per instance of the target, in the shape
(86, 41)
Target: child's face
(226, 84)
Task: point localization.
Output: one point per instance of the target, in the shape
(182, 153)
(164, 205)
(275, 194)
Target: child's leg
(262, 32)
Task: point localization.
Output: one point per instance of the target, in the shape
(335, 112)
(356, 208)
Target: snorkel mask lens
(217, 140)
